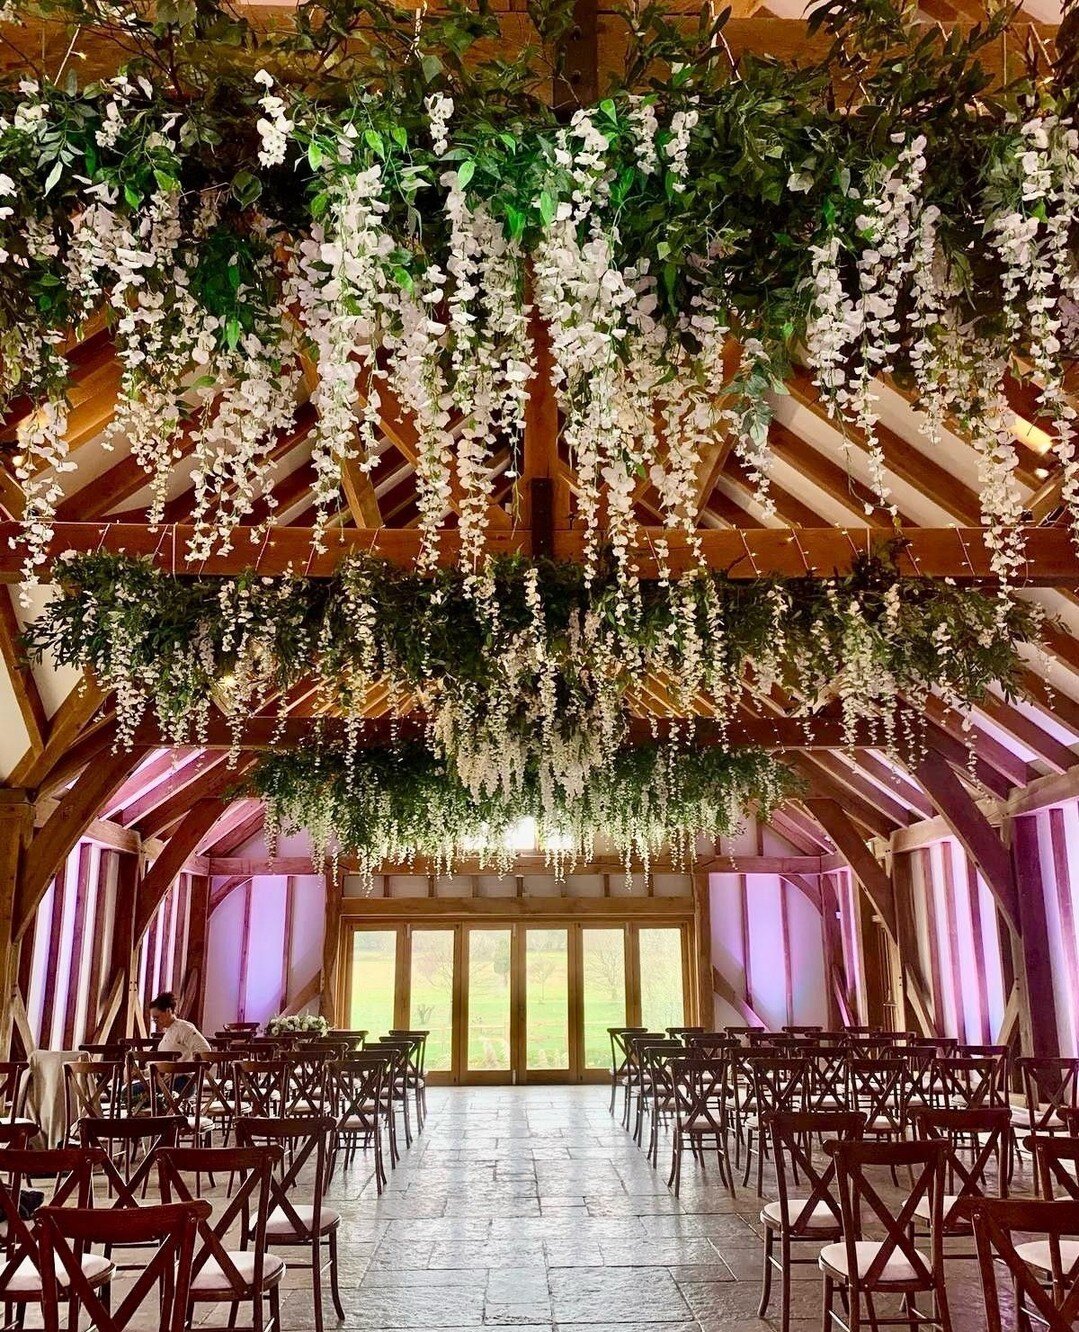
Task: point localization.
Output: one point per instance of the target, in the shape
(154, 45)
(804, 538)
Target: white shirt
(184, 1037)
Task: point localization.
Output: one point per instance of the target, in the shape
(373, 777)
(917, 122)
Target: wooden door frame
(461, 915)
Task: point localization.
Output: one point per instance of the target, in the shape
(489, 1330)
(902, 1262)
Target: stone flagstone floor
(533, 1206)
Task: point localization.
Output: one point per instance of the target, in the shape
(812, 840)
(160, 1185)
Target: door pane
(547, 998)
(662, 1004)
(374, 975)
(489, 999)
(432, 994)
(604, 974)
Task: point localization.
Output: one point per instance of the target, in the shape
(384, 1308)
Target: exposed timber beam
(811, 733)
(194, 828)
(979, 838)
(931, 552)
(869, 872)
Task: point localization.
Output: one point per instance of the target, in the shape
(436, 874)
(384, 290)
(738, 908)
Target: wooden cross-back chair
(655, 1095)
(359, 1093)
(863, 1268)
(93, 1089)
(700, 1082)
(1056, 1165)
(305, 1084)
(977, 1164)
(177, 1089)
(127, 1147)
(309, 1223)
(354, 1036)
(1050, 1090)
(1045, 1296)
(417, 1067)
(70, 1171)
(66, 1234)
(218, 1094)
(634, 1083)
(779, 1085)
(402, 1084)
(259, 1088)
(619, 1057)
(806, 1221)
(827, 1087)
(13, 1082)
(880, 1088)
(967, 1082)
(220, 1274)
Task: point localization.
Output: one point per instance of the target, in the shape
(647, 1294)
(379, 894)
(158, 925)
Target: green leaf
(314, 155)
(375, 142)
(53, 178)
(547, 207)
(465, 172)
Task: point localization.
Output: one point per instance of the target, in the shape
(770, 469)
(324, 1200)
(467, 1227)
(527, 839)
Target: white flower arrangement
(307, 1024)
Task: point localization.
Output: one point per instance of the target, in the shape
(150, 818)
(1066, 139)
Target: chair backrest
(128, 1147)
(305, 1144)
(780, 1083)
(111, 1053)
(699, 1085)
(967, 1170)
(996, 1221)
(1051, 1086)
(13, 1074)
(967, 1081)
(93, 1088)
(177, 1088)
(619, 1053)
(250, 1170)
(66, 1233)
(305, 1083)
(1056, 1161)
(355, 1038)
(357, 1087)
(260, 1087)
(71, 1171)
(14, 1135)
(792, 1134)
(881, 1088)
(924, 1164)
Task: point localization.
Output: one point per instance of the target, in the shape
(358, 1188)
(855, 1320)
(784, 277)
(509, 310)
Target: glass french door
(517, 1002)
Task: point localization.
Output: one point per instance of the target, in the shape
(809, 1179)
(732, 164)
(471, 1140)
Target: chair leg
(829, 1288)
(275, 1308)
(334, 1291)
(316, 1284)
(785, 1283)
(766, 1275)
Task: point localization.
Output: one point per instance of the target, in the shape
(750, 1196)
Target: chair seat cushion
(923, 1207)
(821, 1218)
(279, 1224)
(882, 1124)
(25, 1282)
(833, 1258)
(212, 1283)
(1036, 1254)
(1043, 1117)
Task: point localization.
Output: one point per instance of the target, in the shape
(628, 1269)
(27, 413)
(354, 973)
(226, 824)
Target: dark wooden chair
(70, 1172)
(780, 1084)
(14, 1079)
(259, 1087)
(809, 1221)
(979, 1147)
(65, 1235)
(93, 1089)
(359, 1094)
(619, 1057)
(862, 1268)
(701, 1100)
(307, 1224)
(127, 1147)
(220, 1274)
(1051, 1304)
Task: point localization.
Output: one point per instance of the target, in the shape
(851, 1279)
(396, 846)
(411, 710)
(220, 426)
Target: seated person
(177, 1035)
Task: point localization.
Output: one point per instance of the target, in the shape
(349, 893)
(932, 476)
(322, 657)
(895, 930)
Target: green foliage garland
(394, 805)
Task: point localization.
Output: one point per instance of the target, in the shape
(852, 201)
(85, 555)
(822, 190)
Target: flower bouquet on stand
(298, 1024)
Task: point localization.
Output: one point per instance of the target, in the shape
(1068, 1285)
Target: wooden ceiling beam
(931, 552)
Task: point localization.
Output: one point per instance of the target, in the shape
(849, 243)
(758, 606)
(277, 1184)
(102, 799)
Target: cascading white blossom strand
(852, 340)
(1033, 237)
(605, 344)
(490, 362)
(339, 284)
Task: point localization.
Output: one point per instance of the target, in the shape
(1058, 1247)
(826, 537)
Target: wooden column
(123, 979)
(702, 930)
(331, 943)
(1037, 1002)
(198, 922)
(16, 825)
